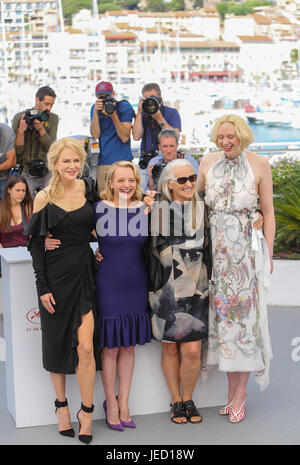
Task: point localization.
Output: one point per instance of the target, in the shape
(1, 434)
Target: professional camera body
(109, 104)
(157, 170)
(146, 157)
(151, 105)
(31, 114)
(37, 167)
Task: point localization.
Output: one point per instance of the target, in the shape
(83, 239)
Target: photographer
(7, 154)
(36, 130)
(152, 116)
(111, 124)
(168, 147)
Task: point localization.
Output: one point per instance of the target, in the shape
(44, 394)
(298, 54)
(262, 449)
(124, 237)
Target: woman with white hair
(179, 303)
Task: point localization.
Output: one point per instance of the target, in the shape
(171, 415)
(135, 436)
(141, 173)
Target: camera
(37, 168)
(109, 105)
(157, 170)
(146, 157)
(31, 114)
(17, 169)
(151, 105)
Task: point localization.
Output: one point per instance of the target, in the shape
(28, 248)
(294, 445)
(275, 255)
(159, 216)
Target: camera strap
(37, 140)
(37, 144)
(153, 128)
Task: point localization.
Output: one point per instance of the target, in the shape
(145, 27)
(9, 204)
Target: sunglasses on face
(184, 179)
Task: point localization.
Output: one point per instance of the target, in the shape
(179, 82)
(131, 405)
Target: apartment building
(24, 31)
(125, 46)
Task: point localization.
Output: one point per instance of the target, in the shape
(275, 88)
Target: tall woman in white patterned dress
(233, 179)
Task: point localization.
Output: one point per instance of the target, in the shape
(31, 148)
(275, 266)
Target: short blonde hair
(107, 193)
(55, 188)
(242, 129)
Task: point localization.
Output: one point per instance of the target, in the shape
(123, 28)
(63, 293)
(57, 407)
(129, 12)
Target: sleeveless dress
(68, 273)
(15, 237)
(121, 278)
(238, 325)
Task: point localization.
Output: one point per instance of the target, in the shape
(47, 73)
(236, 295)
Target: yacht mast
(60, 16)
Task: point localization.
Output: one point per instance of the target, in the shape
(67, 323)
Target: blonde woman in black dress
(65, 281)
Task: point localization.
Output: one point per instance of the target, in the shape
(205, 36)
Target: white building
(260, 55)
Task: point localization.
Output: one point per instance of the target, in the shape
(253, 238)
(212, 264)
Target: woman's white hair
(168, 174)
(195, 208)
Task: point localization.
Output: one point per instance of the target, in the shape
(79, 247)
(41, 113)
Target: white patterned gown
(238, 323)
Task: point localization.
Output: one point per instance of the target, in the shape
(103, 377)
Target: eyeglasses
(184, 179)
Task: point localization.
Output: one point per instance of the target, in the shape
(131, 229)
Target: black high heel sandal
(85, 438)
(66, 432)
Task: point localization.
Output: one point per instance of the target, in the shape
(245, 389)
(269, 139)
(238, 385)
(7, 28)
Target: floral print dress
(238, 328)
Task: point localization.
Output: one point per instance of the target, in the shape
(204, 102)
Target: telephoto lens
(151, 105)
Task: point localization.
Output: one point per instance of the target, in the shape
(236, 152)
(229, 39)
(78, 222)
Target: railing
(272, 148)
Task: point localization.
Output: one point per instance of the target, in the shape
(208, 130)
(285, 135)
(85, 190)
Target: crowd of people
(176, 261)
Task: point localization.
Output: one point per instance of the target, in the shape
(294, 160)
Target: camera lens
(44, 116)
(150, 105)
(109, 107)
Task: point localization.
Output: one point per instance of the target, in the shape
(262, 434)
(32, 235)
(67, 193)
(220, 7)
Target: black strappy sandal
(191, 411)
(66, 432)
(178, 411)
(85, 438)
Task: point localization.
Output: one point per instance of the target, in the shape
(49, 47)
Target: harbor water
(264, 133)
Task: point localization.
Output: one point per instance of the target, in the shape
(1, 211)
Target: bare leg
(125, 366)
(190, 369)
(63, 415)
(108, 374)
(86, 370)
(240, 389)
(232, 383)
(170, 362)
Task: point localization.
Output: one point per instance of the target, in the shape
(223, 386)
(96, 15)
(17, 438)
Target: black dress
(68, 273)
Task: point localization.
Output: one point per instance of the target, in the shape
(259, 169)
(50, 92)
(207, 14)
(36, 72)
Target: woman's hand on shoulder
(148, 200)
(40, 201)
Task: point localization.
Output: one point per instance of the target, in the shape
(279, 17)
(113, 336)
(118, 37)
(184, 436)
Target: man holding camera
(168, 151)
(152, 116)
(7, 154)
(111, 124)
(36, 130)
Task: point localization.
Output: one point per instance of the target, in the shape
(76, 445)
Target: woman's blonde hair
(243, 131)
(56, 188)
(107, 193)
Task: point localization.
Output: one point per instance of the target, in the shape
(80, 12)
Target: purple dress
(121, 279)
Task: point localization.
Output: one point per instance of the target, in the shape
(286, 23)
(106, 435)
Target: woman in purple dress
(121, 286)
